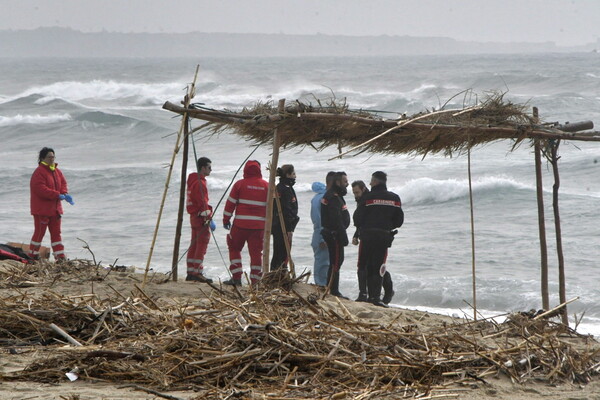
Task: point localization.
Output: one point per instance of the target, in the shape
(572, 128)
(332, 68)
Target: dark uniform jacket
(289, 205)
(335, 218)
(379, 212)
(359, 203)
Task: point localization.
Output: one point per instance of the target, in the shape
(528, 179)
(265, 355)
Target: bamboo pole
(558, 307)
(559, 250)
(541, 218)
(474, 281)
(186, 147)
(190, 94)
(64, 334)
(270, 191)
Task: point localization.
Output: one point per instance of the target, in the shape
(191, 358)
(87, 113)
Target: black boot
(233, 282)
(334, 278)
(362, 297)
(362, 285)
(377, 302)
(198, 278)
(388, 288)
(374, 285)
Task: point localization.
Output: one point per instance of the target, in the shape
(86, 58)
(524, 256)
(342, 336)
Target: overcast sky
(565, 22)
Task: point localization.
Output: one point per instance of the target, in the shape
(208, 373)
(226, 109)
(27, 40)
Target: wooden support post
(559, 250)
(473, 270)
(190, 94)
(186, 148)
(270, 192)
(541, 218)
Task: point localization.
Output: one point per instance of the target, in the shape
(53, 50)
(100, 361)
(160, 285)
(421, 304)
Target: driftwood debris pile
(273, 343)
(14, 274)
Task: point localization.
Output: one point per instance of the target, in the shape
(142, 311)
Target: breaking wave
(35, 119)
(427, 190)
(105, 90)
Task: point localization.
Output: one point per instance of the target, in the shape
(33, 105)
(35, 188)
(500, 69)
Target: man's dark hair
(329, 178)
(43, 153)
(360, 184)
(380, 176)
(285, 170)
(342, 173)
(203, 162)
(337, 178)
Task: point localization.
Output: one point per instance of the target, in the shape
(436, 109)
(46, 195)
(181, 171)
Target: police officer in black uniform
(289, 210)
(380, 214)
(359, 189)
(335, 219)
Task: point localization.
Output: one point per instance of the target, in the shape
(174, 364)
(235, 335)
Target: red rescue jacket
(197, 200)
(248, 199)
(46, 185)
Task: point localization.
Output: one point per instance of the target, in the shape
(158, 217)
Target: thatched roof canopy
(445, 131)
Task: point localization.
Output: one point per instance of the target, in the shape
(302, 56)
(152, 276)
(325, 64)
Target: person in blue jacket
(318, 244)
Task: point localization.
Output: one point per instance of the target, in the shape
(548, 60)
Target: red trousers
(197, 250)
(41, 223)
(236, 239)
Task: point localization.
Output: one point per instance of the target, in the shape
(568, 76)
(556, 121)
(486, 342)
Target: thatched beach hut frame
(447, 131)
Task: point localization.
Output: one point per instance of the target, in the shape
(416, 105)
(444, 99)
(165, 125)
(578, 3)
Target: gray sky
(566, 22)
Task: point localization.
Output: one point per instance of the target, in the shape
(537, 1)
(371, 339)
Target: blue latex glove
(213, 226)
(227, 225)
(61, 196)
(69, 199)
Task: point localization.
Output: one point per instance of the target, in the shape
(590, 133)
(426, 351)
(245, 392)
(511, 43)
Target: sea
(114, 143)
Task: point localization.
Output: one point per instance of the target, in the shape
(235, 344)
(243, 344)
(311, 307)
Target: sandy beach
(129, 331)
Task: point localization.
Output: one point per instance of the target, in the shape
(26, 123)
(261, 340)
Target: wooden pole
(269, 215)
(541, 218)
(472, 236)
(186, 147)
(559, 250)
(186, 103)
(64, 334)
(542, 315)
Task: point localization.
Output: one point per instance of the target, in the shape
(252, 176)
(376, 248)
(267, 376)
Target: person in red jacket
(200, 220)
(48, 187)
(248, 200)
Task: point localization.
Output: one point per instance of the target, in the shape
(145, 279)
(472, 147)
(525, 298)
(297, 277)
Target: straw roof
(331, 123)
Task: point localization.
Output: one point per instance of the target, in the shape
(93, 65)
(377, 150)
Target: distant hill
(62, 42)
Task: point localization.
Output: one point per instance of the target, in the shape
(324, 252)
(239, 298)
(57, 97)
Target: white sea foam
(44, 100)
(36, 119)
(423, 87)
(427, 190)
(248, 95)
(106, 90)
(244, 95)
(219, 184)
(236, 95)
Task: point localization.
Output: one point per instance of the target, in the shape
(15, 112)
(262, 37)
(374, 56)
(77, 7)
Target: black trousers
(336, 259)
(373, 254)
(280, 256)
(361, 273)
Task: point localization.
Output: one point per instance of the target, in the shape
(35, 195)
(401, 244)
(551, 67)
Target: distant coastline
(64, 42)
